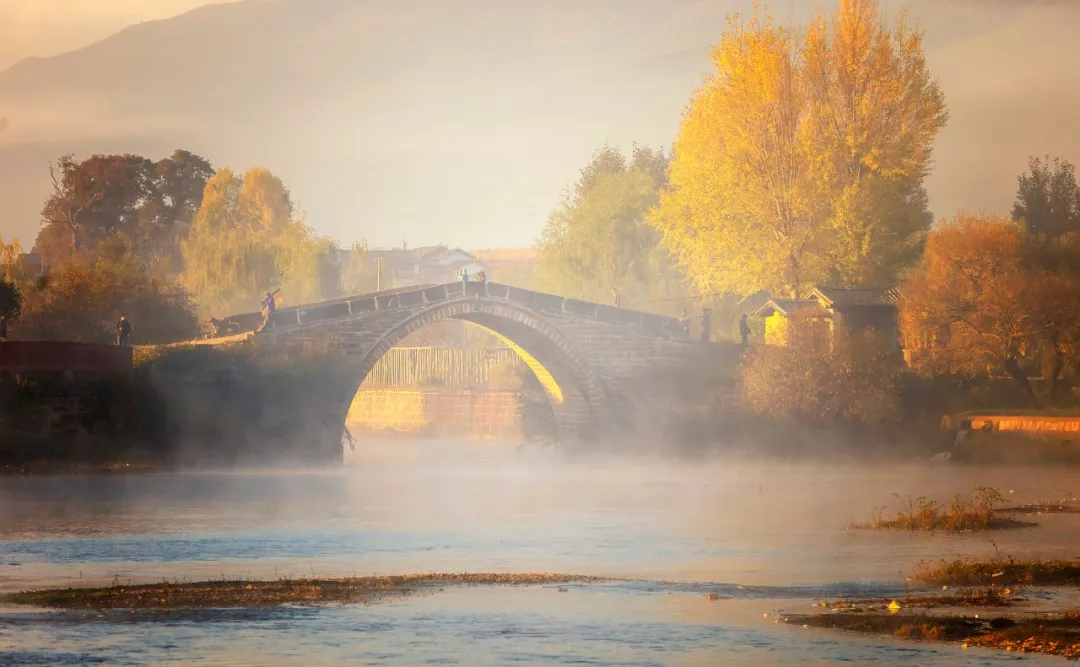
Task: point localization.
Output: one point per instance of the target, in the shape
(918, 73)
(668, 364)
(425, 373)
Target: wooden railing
(457, 368)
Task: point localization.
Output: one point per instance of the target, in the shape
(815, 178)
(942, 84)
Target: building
(425, 265)
(856, 308)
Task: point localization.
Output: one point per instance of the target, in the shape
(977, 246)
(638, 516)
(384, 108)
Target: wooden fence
(452, 367)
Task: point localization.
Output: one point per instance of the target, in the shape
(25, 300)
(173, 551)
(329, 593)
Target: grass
(249, 593)
(1057, 634)
(975, 510)
(998, 571)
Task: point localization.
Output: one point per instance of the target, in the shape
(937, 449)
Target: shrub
(846, 377)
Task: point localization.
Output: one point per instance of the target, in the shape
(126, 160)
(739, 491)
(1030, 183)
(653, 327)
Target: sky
(45, 28)
(420, 121)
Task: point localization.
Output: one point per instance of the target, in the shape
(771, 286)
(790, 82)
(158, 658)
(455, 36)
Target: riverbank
(225, 594)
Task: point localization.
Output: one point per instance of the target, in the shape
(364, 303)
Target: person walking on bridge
(123, 330)
(464, 273)
(269, 307)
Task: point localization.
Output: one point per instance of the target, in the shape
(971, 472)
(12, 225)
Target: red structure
(26, 356)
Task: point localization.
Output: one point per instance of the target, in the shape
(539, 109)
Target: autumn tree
(983, 301)
(246, 239)
(84, 297)
(598, 238)
(151, 203)
(803, 156)
(1048, 198)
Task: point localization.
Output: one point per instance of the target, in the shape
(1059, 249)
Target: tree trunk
(74, 241)
(1055, 374)
(1017, 373)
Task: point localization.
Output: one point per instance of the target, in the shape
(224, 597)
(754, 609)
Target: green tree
(802, 158)
(1048, 198)
(359, 275)
(598, 238)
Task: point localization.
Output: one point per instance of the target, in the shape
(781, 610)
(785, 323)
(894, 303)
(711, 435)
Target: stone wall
(484, 415)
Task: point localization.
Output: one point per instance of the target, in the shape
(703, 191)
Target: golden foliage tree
(247, 239)
(802, 158)
(986, 299)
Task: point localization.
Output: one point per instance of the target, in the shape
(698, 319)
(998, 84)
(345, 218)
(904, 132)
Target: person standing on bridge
(616, 300)
(123, 330)
(464, 279)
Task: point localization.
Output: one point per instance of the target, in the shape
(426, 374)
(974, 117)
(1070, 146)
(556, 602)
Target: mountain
(461, 121)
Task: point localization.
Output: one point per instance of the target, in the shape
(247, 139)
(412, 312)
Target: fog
(462, 123)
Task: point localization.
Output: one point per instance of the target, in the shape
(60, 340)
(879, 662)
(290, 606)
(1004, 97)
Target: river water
(766, 536)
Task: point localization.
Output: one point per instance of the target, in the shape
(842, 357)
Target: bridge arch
(577, 395)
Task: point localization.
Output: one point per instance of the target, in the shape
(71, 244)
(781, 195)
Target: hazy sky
(48, 27)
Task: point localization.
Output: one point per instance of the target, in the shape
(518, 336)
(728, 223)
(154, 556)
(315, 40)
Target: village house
(856, 308)
(425, 265)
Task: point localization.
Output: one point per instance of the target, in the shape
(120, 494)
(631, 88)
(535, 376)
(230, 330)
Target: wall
(437, 412)
(63, 400)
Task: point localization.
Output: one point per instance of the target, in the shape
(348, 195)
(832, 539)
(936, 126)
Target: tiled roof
(785, 306)
(833, 297)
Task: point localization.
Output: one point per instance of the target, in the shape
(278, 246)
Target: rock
(1002, 622)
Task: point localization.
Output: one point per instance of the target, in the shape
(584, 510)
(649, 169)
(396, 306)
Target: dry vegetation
(248, 593)
(999, 571)
(1057, 635)
(977, 510)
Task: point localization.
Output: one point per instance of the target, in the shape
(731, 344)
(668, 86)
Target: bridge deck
(410, 297)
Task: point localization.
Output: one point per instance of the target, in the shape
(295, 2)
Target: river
(766, 536)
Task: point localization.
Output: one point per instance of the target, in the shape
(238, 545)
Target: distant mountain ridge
(463, 120)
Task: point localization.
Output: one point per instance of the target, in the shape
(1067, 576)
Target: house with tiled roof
(855, 308)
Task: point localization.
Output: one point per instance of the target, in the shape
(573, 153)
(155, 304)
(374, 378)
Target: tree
(85, 296)
(598, 237)
(10, 299)
(359, 276)
(982, 302)
(1048, 198)
(246, 239)
(150, 203)
(802, 158)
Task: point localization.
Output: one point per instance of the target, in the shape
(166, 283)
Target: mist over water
(768, 534)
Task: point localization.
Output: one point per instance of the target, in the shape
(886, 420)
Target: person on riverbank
(706, 324)
(616, 300)
(744, 330)
(123, 331)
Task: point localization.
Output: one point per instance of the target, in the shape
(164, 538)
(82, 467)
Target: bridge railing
(540, 302)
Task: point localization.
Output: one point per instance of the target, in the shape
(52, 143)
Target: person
(481, 277)
(744, 329)
(684, 322)
(615, 299)
(3, 328)
(464, 279)
(706, 324)
(123, 331)
(269, 305)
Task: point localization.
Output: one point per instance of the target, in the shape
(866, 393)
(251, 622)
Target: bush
(846, 377)
(85, 297)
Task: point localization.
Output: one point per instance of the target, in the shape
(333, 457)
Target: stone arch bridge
(588, 357)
